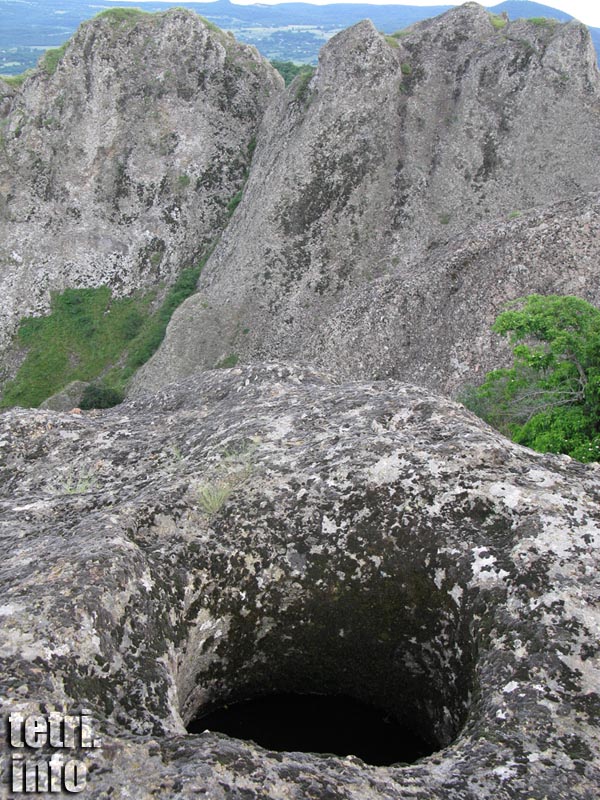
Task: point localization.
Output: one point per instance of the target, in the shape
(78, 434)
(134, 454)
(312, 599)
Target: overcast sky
(587, 11)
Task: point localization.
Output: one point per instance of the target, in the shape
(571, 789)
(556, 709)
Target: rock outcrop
(394, 147)
(435, 324)
(263, 529)
(117, 164)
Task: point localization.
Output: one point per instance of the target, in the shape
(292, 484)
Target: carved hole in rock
(398, 644)
(333, 724)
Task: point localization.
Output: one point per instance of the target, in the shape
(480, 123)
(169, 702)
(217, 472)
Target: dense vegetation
(91, 336)
(288, 70)
(549, 399)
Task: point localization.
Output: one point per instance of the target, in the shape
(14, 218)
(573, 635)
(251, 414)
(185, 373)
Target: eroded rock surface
(388, 152)
(117, 168)
(264, 528)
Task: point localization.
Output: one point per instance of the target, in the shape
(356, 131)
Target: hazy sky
(587, 11)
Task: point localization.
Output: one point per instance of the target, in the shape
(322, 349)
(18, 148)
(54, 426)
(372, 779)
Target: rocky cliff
(435, 323)
(368, 171)
(118, 158)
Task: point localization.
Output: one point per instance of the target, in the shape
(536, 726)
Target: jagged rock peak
(393, 147)
(100, 39)
(121, 155)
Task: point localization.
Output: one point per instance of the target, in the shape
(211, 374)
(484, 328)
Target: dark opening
(311, 723)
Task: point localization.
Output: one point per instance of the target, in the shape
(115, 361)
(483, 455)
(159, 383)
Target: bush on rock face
(549, 399)
(98, 396)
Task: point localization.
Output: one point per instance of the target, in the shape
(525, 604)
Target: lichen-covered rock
(117, 167)
(264, 528)
(388, 151)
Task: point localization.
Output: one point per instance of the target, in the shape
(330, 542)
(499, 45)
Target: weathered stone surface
(376, 540)
(117, 169)
(385, 154)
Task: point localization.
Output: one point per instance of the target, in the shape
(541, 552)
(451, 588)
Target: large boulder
(264, 529)
(392, 148)
(118, 161)
(67, 399)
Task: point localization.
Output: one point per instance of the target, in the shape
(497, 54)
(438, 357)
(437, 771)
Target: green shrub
(131, 325)
(406, 69)
(97, 395)
(549, 399)
(211, 25)
(498, 21)
(392, 40)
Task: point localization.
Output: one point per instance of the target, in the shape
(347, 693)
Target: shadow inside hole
(310, 723)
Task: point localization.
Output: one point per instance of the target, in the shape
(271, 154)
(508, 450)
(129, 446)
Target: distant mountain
(523, 8)
(287, 31)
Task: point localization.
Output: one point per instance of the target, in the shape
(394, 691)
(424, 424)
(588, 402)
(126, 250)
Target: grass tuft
(234, 202)
(301, 84)
(543, 22)
(229, 362)
(118, 15)
(211, 25)
(52, 58)
(16, 80)
(211, 498)
(498, 21)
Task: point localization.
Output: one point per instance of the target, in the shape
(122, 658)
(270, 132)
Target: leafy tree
(289, 70)
(549, 399)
